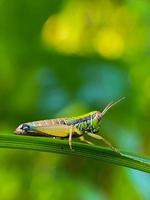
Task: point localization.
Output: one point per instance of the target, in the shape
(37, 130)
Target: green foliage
(66, 58)
(79, 149)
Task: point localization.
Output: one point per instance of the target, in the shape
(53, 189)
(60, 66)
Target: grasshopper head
(22, 128)
(97, 116)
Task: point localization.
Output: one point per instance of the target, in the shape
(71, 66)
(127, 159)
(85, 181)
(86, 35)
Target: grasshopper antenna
(110, 105)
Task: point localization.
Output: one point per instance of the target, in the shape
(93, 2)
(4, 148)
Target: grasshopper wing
(56, 130)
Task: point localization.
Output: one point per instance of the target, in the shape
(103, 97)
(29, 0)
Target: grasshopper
(69, 127)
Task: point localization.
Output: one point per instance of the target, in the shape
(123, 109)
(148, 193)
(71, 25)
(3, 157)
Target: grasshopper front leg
(84, 140)
(98, 137)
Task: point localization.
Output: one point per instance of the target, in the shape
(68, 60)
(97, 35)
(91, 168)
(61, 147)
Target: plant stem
(79, 149)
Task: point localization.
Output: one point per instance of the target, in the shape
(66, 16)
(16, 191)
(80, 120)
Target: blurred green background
(65, 58)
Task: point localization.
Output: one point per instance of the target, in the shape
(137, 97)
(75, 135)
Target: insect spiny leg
(70, 138)
(84, 140)
(98, 137)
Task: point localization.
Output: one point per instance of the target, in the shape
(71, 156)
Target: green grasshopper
(69, 127)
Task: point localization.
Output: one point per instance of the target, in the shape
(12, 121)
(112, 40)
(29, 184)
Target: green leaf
(79, 149)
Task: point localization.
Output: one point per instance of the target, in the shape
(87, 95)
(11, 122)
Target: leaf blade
(61, 146)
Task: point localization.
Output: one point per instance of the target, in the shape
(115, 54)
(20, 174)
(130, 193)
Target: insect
(69, 127)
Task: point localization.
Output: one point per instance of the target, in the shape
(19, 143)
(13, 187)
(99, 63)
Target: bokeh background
(65, 58)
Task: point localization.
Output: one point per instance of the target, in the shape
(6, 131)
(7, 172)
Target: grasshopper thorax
(91, 121)
(94, 122)
(88, 123)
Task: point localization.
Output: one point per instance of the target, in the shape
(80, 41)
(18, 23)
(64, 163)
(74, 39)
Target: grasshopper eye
(98, 116)
(25, 127)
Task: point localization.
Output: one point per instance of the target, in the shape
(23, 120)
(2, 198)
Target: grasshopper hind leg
(98, 137)
(70, 138)
(73, 131)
